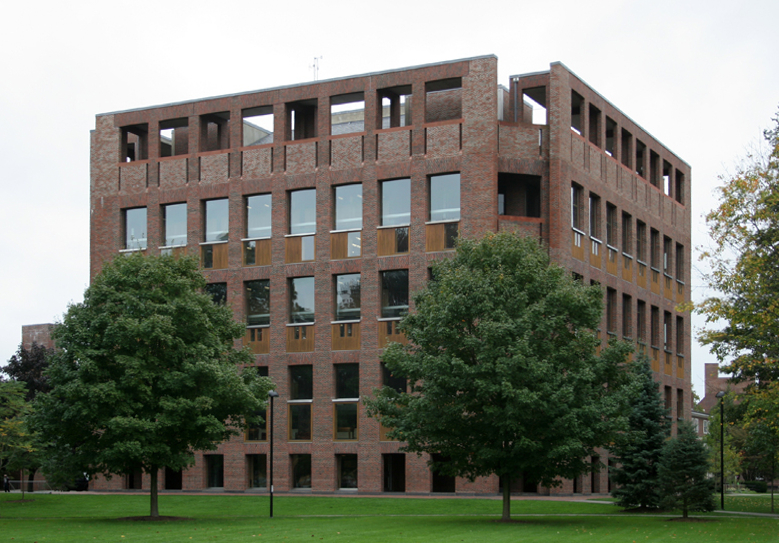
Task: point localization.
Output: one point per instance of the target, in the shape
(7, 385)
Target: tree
(638, 450)
(713, 440)
(16, 441)
(683, 476)
(145, 373)
(503, 371)
(28, 366)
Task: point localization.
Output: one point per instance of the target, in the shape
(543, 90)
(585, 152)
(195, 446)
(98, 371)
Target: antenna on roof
(315, 67)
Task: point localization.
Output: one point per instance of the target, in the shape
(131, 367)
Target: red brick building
(317, 208)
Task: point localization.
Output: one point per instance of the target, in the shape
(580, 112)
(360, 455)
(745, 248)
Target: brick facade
(465, 124)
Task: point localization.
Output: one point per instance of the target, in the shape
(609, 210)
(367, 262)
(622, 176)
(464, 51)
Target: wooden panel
(383, 433)
(655, 281)
(679, 366)
(627, 268)
(258, 340)
(655, 360)
(300, 339)
(257, 252)
(386, 242)
(339, 245)
(293, 250)
(346, 336)
(388, 331)
(612, 264)
(577, 246)
(641, 275)
(220, 256)
(213, 256)
(679, 292)
(596, 259)
(668, 369)
(668, 291)
(434, 237)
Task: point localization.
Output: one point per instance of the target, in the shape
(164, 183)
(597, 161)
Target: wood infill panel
(293, 250)
(300, 338)
(346, 336)
(258, 340)
(339, 245)
(388, 332)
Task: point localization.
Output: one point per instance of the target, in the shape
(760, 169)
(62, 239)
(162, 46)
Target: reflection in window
(300, 421)
(347, 381)
(301, 300)
(258, 216)
(348, 207)
(175, 219)
(218, 292)
(345, 421)
(301, 380)
(347, 297)
(347, 470)
(445, 197)
(257, 470)
(301, 470)
(302, 211)
(135, 228)
(217, 223)
(394, 293)
(396, 202)
(258, 302)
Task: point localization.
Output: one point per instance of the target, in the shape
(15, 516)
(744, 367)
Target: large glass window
(396, 202)
(259, 431)
(257, 302)
(215, 470)
(347, 387)
(301, 300)
(218, 292)
(217, 222)
(135, 228)
(301, 381)
(576, 206)
(445, 197)
(301, 394)
(257, 470)
(175, 218)
(394, 293)
(302, 211)
(347, 297)
(348, 207)
(347, 381)
(347, 470)
(301, 470)
(258, 216)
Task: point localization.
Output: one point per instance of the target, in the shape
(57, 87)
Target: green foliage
(28, 366)
(638, 450)
(732, 457)
(145, 373)
(16, 441)
(503, 368)
(683, 473)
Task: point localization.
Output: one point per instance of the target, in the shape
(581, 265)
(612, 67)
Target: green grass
(752, 503)
(80, 517)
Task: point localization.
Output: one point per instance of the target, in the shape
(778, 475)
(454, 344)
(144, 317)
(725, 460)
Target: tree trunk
(31, 481)
(21, 482)
(506, 499)
(773, 479)
(153, 493)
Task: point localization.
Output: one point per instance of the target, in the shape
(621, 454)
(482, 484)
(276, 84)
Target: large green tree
(28, 366)
(145, 373)
(503, 370)
(638, 450)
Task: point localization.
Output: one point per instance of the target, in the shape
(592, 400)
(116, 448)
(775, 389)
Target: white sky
(701, 76)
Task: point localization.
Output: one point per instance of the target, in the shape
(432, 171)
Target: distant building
(37, 333)
(714, 383)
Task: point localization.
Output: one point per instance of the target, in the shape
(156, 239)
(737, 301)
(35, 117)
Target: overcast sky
(701, 76)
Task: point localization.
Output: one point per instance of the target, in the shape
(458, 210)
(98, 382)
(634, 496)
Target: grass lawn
(753, 503)
(80, 517)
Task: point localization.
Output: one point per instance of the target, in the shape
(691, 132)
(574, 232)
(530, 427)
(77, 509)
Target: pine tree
(683, 473)
(638, 452)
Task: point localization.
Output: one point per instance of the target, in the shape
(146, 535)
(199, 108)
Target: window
(218, 292)
(135, 142)
(394, 293)
(217, 221)
(301, 300)
(347, 297)
(257, 302)
(680, 336)
(396, 202)
(667, 255)
(258, 432)
(347, 388)
(215, 131)
(348, 207)
(393, 381)
(135, 228)
(655, 324)
(679, 187)
(641, 321)
(347, 470)
(301, 470)
(215, 470)
(611, 311)
(576, 206)
(627, 233)
(611, 225)
(611, 131)
(174, 137)
(302, 211)
(301, 393)
(301, 120)
(595, 124)
(627, 141)
(679, 262)
(347, 113)
(595, 216)
(258, 216)
(256, 464)
(174, 217)
(627, 316)
(445, 197)
(654, 240)
(640, 158)
(641, 241)
(257, 125)
(395, 107)
(577, 103)
(667, 331)
(680, 403)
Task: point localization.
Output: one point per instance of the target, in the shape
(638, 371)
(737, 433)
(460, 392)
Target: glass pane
(218, 292)
(347, 470)
(258, 302)
(347, 297)
(300, 422)
(302, 211)
(301, 382)
(346, 421)
(258, 216)
(347, 381)
(301, 299)
(348, 207)
(301, 470)
(215, 468)
(396, 202)
(354, 244)
(307, 248)
(175, 225)
(445, 197)
(217, 225)
(394, 293)
(135, 228)
(257, 471)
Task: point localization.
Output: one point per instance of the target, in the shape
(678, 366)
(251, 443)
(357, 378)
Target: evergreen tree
(683, 480)
(638, 450)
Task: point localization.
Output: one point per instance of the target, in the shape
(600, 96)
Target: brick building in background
(316, 209)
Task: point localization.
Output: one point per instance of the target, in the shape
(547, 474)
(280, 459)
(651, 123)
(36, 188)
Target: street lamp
(271, 394)
(721, 396)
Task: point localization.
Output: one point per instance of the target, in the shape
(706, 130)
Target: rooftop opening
(519, 195)
(443, 100)
(595, 126)
(257, 125)
(347, 113)
(611, 133)
(679, 187)
(577, 102)
(627, 143)
(215, 131)
(135, 142)
(640, 157)
(395, 110)
(174, 137)
(667, 182)
(535, 99)
(301, 120)
(654, 168)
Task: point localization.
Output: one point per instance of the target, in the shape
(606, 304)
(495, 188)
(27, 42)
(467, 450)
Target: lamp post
(721, 396)
(271, 394)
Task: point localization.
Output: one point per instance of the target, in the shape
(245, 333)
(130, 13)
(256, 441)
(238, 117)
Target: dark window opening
(655, 327)
(347, 381)
(595, 126)
(257, 302)
(135, 142)
(395, 110)
(627, 316)
(301, 120)
(215, 471)
(679, 187)
(174, 137)
(257, 125)
(667, 267)
(667, 181)
(654, 248)
(388, 379)
(679, 262)
(301, 380)
(443, 100)
(611, 225)
(577, 102)
(679, 403)
(519, 195)
(576, 206)
(218, 292)
(641, 321)
(641, 241)
(441, 482)
(215, 131)
(347, 113)
(173, 479)
(611, 134)
(347, 470)
(667, 325)
(627, 142)
(611, 311)
(257, 469)
(680, 336)
(534, 106)
(654, 169)
(301, 470)
(627, 233)
(640, 158)
(595, 218)
(394, 293)
(394, 472)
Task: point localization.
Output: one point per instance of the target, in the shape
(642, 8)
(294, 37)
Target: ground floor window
(347, 470)
(256, 467)
(394, 472)
(215, 471)
(442, 482)
(301, 470)
(173, 479)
